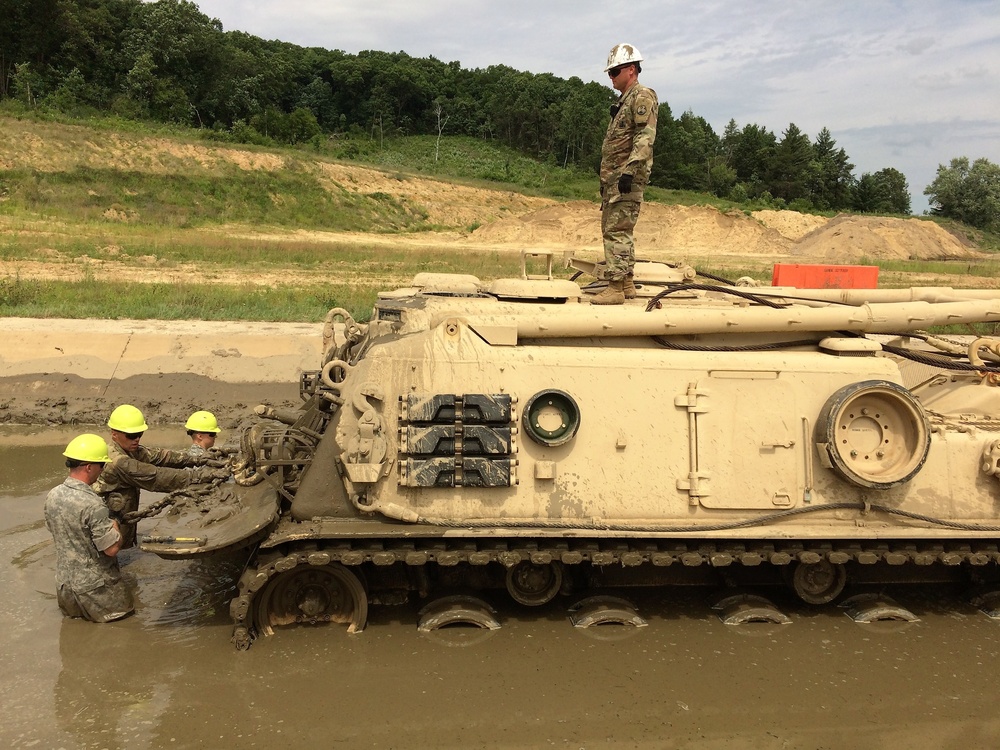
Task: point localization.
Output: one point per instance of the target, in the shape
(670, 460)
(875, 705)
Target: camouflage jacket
(82, 530)
(145, 468)
(628, 144)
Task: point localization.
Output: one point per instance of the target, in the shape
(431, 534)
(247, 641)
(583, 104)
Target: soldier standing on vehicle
(135, 467)
(87, 539)
(203, 428)
(626, 160)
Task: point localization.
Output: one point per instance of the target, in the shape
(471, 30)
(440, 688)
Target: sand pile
(704, 230)
(576, 223)
(790, 224)
(679, 231)
(444, 203)
(662, 230)
(853, 238)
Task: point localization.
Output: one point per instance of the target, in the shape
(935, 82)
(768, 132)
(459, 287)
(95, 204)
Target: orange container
(804, 276)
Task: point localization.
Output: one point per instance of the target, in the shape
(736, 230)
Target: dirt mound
(854, 238)
(577, 223)
(662, 230)
(790, 224)
(444, 203)
(705, 230)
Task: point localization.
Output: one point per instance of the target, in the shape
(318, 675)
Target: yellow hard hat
(89, 448)
(126, 418)
(202, 421)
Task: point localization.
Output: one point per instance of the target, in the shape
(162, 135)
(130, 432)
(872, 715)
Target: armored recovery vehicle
(510, 436)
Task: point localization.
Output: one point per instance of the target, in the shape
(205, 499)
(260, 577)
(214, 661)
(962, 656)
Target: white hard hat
(622, 54)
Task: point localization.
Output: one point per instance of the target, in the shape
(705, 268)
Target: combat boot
(613, 295)
(629, 288)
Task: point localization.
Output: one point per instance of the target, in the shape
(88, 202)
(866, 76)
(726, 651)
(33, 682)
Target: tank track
(624, 553)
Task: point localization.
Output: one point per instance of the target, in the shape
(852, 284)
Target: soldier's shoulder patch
(641, 110)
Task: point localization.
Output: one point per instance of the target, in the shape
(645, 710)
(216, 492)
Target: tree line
(167, 61)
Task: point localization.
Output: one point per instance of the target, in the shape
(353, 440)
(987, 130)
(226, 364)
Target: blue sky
(909, 84)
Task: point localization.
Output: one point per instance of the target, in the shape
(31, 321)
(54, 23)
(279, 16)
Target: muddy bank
(77, 371)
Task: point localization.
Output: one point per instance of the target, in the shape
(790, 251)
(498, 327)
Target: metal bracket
(693, 483)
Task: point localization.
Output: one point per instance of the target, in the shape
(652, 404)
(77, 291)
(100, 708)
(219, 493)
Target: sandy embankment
(77, 371)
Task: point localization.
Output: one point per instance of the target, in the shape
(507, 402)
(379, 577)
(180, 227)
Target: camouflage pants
(617, 223)
(103, 604)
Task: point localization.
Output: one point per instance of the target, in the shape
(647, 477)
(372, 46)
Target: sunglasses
(133, 435)
(615, 72)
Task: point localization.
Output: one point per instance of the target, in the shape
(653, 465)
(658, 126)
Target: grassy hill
(112, 219)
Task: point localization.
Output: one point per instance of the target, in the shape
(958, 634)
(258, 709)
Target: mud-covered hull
(238, 518)
(511, 436)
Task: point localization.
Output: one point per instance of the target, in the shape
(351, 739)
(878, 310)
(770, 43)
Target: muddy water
(168, 677)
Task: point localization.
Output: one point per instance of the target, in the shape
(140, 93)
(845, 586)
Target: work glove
(208, 474)
(206, 459)
(220, 474)
(115, 502)
(625, 184)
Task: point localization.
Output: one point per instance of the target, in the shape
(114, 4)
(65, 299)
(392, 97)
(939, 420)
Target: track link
(626, 554)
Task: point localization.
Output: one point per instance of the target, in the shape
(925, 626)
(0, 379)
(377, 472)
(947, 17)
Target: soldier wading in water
(626, 159)
(135, 467)
(87, 539)
(203, 429)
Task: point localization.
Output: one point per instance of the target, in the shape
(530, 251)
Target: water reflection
(464, 636)
(179, 597)
(104, 696)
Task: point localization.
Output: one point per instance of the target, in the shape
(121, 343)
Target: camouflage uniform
(88, 582)
(153, 469)
(627, 149)
(196, 450)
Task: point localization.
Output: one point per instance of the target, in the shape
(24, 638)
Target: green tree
(29, 35)
(25, 84)
(71, 94)
(792, 168)
(967, 193)
(91, 33)
(885, 192)
(317, 97)
(583, 117)
(300, 126)
(749, 151)
(688, 151)
(895, 190)
(185, 46)
(830, 173)
(141, 82)
(166, 60)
